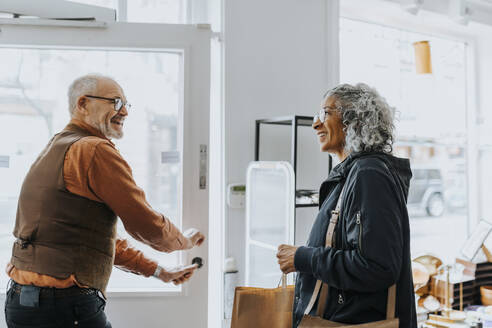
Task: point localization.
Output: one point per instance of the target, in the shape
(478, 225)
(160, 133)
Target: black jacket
(372, 243)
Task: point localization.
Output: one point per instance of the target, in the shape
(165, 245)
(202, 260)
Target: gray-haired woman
(370, 248)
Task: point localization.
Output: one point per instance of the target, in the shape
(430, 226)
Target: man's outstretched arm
(110, 178)
(132, 260)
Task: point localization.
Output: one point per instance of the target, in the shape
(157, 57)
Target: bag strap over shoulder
(322, 288)
(335, 214)
(391, 305)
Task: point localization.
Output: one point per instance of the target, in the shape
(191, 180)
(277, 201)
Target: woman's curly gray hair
(366, 116)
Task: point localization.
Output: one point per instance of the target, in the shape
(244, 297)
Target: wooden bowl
(486, 295)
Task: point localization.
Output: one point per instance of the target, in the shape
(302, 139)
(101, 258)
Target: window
(485, 190)
(33, 106)
(146, 11)
(147, 71)
(101, 3)
(430, 124)
(485, 164)
(159, 11)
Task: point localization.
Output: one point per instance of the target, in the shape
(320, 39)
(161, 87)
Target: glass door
(167, 80)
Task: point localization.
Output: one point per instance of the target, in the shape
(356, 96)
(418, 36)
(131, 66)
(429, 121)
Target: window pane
(485, 191)
(437, 200)
(101, 3)
(423, 101)
(419, 174)
(435, 174)
(430, 124)
(33, 106)
(485, 129)
(156, 11)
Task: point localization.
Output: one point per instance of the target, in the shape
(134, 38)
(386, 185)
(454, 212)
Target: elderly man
(66, 219)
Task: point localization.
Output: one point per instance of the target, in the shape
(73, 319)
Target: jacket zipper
(358, 221)
(340, 299)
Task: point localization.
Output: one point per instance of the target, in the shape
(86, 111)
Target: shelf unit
(295, 122)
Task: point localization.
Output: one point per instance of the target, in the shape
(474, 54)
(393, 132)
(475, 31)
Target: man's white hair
(84, 85)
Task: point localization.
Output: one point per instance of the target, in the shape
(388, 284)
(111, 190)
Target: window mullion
(122, 10)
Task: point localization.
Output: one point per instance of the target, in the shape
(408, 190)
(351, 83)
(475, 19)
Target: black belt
(57, 292)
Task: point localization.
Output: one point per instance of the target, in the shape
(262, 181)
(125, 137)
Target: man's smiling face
(101, 113)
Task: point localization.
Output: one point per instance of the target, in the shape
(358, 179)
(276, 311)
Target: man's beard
(109, 132)
(106, 129)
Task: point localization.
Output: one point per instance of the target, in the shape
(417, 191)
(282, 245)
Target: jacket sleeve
(111, 180)
(132, 260)
(374, 231)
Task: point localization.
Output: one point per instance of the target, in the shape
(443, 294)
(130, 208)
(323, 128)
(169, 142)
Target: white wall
(275, 65)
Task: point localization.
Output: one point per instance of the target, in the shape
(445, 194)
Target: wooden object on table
(453, 317)
(482, 272)
(434, 324)
(440, 318)
(487, 253)
(461, 296)
(486, 295)
(461, 293)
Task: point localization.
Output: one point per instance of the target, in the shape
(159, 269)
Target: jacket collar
(78, 124)
(341, 171)
(399, 168)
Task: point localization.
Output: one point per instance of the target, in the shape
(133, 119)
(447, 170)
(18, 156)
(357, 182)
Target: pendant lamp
(423, 61)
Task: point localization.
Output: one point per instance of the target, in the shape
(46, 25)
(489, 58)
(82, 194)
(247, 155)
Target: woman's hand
(285, 257)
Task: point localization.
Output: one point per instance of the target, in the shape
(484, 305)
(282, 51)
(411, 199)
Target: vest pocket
(23, 252)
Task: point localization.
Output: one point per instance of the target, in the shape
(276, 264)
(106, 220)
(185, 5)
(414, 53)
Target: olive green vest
(59, 233)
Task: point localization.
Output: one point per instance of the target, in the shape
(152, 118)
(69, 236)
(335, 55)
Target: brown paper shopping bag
(263, 307)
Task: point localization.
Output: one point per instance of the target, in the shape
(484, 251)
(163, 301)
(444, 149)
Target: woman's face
(330, 132)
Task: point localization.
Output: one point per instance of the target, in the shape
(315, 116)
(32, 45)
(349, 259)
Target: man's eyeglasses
(118, 103)
(321, 116)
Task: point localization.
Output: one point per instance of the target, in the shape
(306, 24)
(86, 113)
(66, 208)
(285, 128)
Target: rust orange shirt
(94, 169)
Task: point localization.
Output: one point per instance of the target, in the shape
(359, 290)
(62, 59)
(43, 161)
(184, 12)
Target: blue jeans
(78, 311)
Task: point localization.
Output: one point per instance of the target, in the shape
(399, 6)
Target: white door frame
(188, 308)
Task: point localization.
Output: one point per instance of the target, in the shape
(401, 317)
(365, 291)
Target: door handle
(198, 261)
